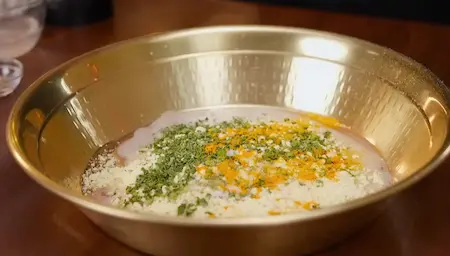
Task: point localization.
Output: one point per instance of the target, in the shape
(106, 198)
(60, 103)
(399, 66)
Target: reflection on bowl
(395, 103)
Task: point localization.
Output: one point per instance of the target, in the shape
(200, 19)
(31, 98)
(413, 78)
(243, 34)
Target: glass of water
(21, 23)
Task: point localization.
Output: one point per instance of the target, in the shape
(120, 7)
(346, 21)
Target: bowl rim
(84, 203)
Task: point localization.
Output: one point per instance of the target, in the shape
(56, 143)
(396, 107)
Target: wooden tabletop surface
(35, 222)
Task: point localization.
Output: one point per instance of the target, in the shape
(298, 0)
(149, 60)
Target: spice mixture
(235, 168)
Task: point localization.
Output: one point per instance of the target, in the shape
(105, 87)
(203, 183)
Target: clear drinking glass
(21, 23)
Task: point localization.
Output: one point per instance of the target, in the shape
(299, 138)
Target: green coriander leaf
(181, 209)
(201, 202)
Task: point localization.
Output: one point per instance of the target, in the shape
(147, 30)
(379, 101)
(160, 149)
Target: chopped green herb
(260, 183)
(178, 157)
(307, 142)
(321, 173)
(201, 202)
(221, 154)
(290, 154)
(271, 154)
(351, 174)
(186, 209)
(181, 209)
(319, 183)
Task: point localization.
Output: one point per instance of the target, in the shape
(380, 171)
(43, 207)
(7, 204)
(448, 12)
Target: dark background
(422, 10)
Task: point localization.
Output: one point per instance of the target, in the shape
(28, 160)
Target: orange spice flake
(201, 169)
(310, 205)
(211, 148)
(227, 169)
(211, 215)
(298, 203)
(274, 213)
(325, 120)
(272, 181)
(256, 196)
(306, 175)
(246, 154)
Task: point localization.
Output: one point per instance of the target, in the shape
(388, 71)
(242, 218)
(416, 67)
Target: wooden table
(35, 222)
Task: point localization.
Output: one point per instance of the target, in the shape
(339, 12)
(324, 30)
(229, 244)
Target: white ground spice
(237, 168)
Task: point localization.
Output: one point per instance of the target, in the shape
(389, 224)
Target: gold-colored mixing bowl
(70, 112)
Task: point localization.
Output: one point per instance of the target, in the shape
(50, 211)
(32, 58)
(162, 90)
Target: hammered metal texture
(371, 106)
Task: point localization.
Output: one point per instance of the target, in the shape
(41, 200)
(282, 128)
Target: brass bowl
(60, 121)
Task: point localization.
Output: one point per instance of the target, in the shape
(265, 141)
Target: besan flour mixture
(236, 162)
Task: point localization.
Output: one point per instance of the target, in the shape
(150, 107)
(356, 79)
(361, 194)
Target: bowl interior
(72, 111)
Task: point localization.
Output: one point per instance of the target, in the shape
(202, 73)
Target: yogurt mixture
(236, 162)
